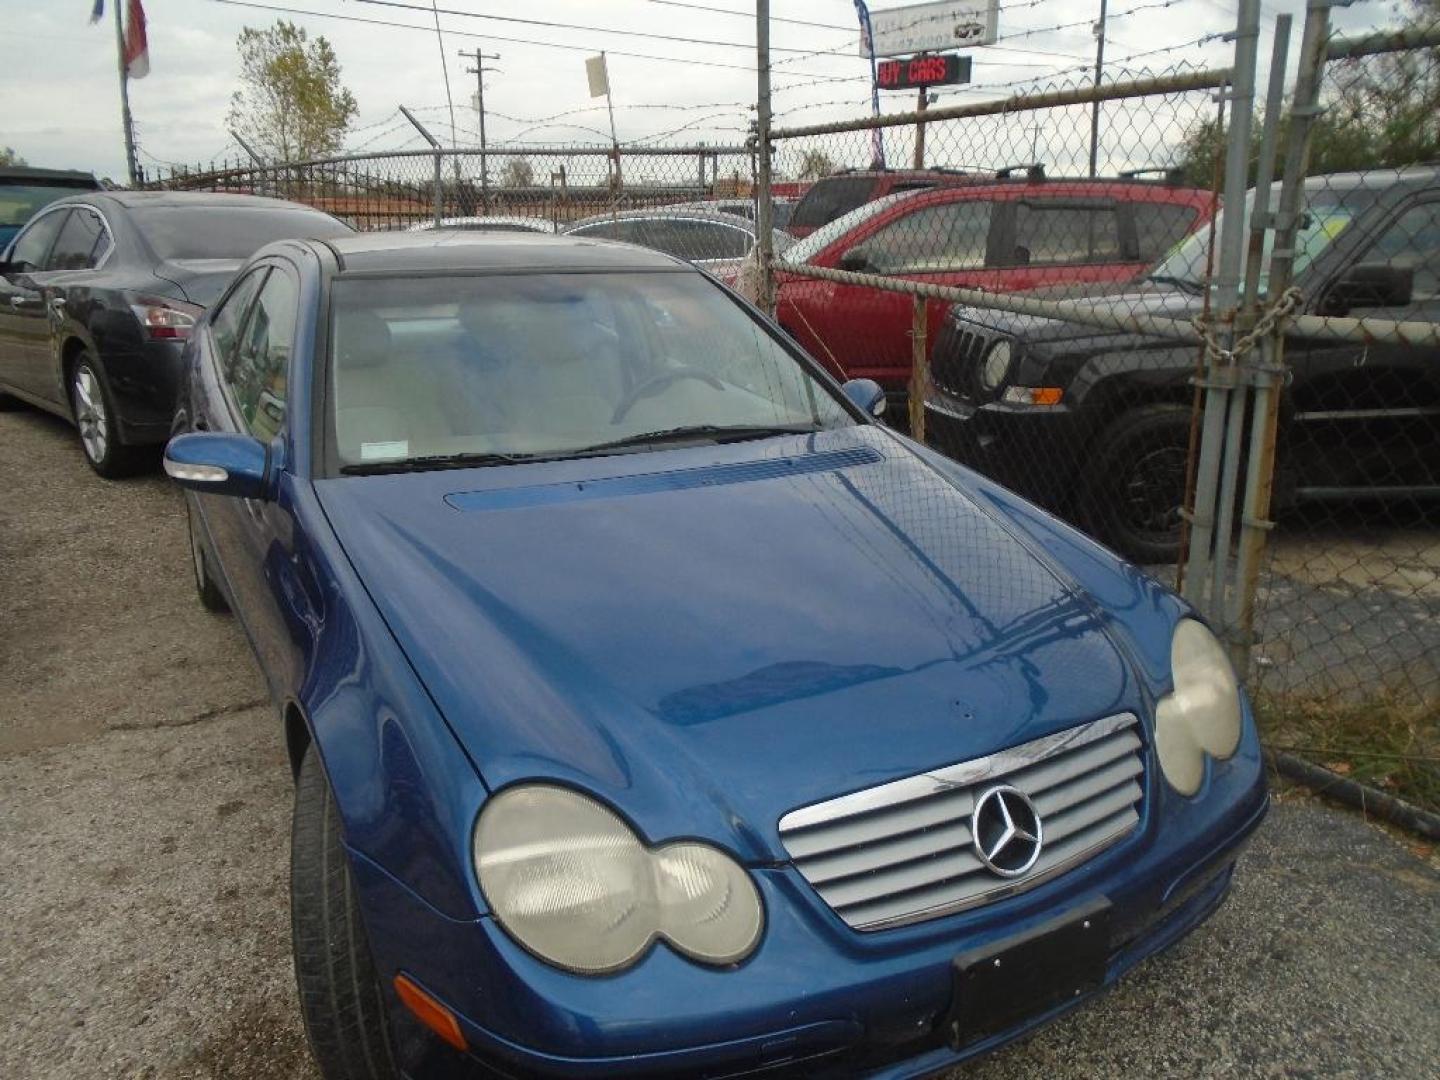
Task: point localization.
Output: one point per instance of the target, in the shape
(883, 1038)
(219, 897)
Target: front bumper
(816, 999)
(1033, 450)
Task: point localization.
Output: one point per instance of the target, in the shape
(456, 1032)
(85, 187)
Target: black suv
(1096, 424)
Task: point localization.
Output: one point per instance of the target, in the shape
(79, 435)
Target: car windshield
(1327, 214)
(20, 202)
(228, 232)
(553, 365)
(802, 251)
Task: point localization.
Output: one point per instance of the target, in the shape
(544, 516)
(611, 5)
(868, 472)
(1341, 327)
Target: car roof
(661, 212)
(136, 200)
(1375, 178)
(439, 251)
(26, 172)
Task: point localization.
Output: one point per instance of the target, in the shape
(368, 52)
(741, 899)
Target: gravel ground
(143, 836)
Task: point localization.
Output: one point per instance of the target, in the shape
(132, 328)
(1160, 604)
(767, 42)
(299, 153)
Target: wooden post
(919, 369)
(920, 107)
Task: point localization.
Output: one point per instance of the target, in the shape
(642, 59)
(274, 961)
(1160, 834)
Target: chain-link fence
(994, 284)
(546, 188)
(1347, 650)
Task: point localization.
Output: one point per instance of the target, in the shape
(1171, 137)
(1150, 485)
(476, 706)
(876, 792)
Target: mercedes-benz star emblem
(1005, 829)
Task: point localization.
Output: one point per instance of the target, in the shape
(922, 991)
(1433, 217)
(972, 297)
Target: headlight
(996, 365)
(1201, 715)
(571, 882)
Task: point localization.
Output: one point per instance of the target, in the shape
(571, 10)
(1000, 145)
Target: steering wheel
(653, 385)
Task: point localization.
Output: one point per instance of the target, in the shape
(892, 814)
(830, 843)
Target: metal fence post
(1219, 379)
(919, 367)
(436, 149)
(1259, 485)
(764, 207)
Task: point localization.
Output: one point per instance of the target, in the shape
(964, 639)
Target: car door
(81, 245)
(1364, 418)
(255, 536)
(24, 326)
(867, 330)
(1048, 240)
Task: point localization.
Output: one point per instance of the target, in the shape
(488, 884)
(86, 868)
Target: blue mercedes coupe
(655, 711)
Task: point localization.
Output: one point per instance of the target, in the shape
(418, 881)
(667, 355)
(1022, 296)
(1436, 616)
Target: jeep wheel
(1133, 488)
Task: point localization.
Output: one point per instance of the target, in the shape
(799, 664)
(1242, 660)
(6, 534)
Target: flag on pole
(877, 139)
(137, 49)
(97, 12)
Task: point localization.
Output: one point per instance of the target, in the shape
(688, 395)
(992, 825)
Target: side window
(1061, 234)
(606, 230)
(225, 323)
(830, 198)
(1412, 242)
(1159, 227)
(262, 360)
(953, 236)
(33, 245)
(694, 240)
(81, 243)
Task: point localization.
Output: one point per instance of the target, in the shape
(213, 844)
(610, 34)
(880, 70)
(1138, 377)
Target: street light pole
(1095, 105)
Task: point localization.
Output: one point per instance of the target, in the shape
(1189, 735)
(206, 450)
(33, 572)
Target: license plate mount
(1005, 984)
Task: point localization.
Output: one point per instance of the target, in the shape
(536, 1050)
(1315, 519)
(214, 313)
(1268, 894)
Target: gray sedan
(716, 241)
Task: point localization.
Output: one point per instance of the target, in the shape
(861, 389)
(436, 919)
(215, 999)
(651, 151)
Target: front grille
(902, 852)
(955, 361)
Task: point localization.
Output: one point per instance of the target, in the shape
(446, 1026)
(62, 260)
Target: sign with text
(948, 24)
(919, 71)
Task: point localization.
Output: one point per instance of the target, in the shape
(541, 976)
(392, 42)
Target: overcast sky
(59, 102)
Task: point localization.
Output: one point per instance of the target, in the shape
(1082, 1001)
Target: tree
(1380, 112)
(8, 156)
(517, 173)
(814, 164)
(291, 105)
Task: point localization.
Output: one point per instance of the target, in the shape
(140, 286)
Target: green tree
(8, 156)
(1380, 112)
(517, 173)
(814, 164)
(291, 105)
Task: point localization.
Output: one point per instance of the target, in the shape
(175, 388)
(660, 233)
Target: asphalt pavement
(144, 817)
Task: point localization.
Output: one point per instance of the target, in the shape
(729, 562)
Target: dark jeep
(1096, 424)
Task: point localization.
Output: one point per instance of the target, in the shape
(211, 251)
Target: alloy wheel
(1151, 492)
(90, 413)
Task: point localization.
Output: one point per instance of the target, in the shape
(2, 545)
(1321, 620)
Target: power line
(286, 10)
(552, 25)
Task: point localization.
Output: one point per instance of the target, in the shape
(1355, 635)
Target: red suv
(835, 196)
(1002, 235)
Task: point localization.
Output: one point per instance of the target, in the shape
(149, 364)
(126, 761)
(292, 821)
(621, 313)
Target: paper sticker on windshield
(384, 451)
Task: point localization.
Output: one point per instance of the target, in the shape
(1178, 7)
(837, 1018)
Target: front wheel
(1133, 488)
(98, 424)
(211, 598)
(340, 996)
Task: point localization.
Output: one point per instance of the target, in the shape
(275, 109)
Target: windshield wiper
(1184, 283)
(438, 461)
(719, 433)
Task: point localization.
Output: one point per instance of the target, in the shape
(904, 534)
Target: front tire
(97, 421)
(211, 598)
(340, 997)
(1133, 488)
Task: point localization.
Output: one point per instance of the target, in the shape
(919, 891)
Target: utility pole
(479, 72)
(920, 106)
(125, 119)
(1095, 105)
(764, 203)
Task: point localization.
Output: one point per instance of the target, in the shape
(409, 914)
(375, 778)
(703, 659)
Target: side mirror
(219, 464)
(867, 395)
(857, 259)
(1370, 285)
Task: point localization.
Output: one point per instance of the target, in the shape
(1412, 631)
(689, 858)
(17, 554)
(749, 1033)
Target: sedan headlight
(571, 882)
(1201, 715)
(996, 365)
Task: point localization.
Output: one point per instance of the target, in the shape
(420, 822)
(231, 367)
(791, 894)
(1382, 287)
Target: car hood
(201, 280)
(712, 636)
(1161, 301)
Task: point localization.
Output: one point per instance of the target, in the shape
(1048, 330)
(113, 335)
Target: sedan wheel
(95, 418)
(211, 598)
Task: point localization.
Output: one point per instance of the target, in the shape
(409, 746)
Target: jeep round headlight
(996, 365)
(1201, 715)
(571, 882)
